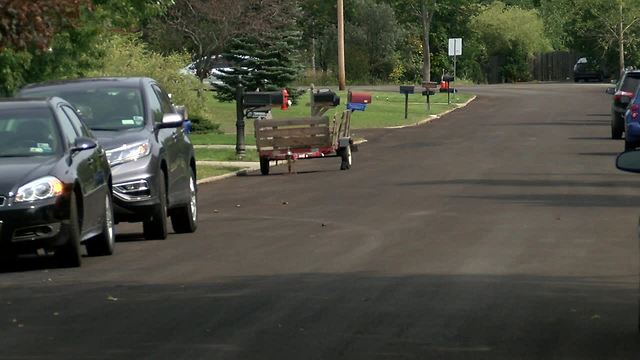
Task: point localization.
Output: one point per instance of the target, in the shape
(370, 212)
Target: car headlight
(43, 188)
(128, 153)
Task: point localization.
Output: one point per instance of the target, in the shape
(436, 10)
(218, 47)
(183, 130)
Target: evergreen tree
(265, 62)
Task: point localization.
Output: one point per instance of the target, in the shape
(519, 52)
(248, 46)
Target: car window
(155, 106)
(165, 102)
(69, 133)
(111, 108)
(630, 83)
(76, 122)
(28, 132)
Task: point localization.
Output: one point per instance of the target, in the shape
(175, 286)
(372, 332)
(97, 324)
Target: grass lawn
(205, 171)
(386, 110)
(221, 139)
(225, 155)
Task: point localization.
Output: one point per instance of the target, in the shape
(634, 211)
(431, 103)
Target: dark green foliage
(265, 63)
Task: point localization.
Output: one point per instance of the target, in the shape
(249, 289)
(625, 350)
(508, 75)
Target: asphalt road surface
(501, 231)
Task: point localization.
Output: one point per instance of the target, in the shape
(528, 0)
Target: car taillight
(635, 109)
(622, 94)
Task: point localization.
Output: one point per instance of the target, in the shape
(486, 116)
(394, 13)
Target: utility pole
(342, 81)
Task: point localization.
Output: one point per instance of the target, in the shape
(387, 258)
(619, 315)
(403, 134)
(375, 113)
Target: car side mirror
(610, 91)
(629, 161)
(83, 143)
(170, 121)
(182, 110)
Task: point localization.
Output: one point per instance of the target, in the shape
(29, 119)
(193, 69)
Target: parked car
(55, 185)
(632, 124)
(586, 70)
(152, 159)
(622, 93)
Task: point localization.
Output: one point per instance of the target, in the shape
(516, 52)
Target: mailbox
(430, 85)
(359, 98)
(407, 89)
(448, 78)
(326, 97)
(428, 93)
(263, 98)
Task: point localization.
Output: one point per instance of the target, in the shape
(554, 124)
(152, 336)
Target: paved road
(501, 231)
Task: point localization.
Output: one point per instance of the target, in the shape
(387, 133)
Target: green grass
(205, 171)
(221, 139)
(225, 155)
(386, 110)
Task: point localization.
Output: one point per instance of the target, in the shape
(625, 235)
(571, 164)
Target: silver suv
(152, 159)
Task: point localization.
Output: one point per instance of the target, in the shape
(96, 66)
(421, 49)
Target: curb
(434, 117)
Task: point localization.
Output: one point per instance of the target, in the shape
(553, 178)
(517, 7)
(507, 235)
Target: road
(501, 231)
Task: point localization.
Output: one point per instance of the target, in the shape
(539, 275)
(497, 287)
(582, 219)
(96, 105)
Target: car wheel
(616, 127)
(156, 227)
(104, 243)
(69, 255)
(8, 259)
(264, 166)
(347, 159)
(185, 219)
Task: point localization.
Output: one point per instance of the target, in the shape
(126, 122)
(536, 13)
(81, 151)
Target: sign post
(406, 90)
(455, 50)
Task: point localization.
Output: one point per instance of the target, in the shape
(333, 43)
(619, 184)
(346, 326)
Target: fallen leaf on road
(595, 317)
(111, 298)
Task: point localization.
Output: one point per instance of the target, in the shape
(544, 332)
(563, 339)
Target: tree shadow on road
(327, 316)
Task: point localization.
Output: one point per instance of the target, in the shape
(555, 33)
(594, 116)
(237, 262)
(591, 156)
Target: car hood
(115, 139)
(17, 171)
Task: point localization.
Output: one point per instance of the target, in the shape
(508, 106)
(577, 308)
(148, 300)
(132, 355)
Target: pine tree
(261, 63)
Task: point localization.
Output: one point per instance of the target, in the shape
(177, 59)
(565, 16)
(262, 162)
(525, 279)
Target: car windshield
(27, 132)
(105, 108)
(631, 83)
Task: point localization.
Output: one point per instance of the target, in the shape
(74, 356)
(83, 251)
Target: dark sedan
(55, 185)
(152, 159)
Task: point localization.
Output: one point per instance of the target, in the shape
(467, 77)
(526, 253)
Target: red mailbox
(359, 98)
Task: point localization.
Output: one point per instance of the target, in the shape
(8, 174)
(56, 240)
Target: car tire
(347, 159)
(69, 254)
(185, 219)
(103, 244)
(8, 259)
(264, 166)
(616, 128)
(156, 227)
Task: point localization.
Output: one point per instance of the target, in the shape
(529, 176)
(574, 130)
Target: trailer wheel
(264, 166)
(345, 154)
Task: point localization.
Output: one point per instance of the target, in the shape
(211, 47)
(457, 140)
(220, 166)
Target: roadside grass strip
(206, 154)
(207, 172)
(387, 110)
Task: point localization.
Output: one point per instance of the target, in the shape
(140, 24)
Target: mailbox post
(406, 90)
(448, 78)
(429, 89)
(250, 102)
(240, 144)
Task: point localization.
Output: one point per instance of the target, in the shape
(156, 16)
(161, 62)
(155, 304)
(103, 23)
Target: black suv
(152, 159)
(622, 94)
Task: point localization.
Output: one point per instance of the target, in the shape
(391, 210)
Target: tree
(425, 13)
(374, 42)
(205, 27)
(512, 33)
(28, 24)
(612, 22)
(267, 62)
